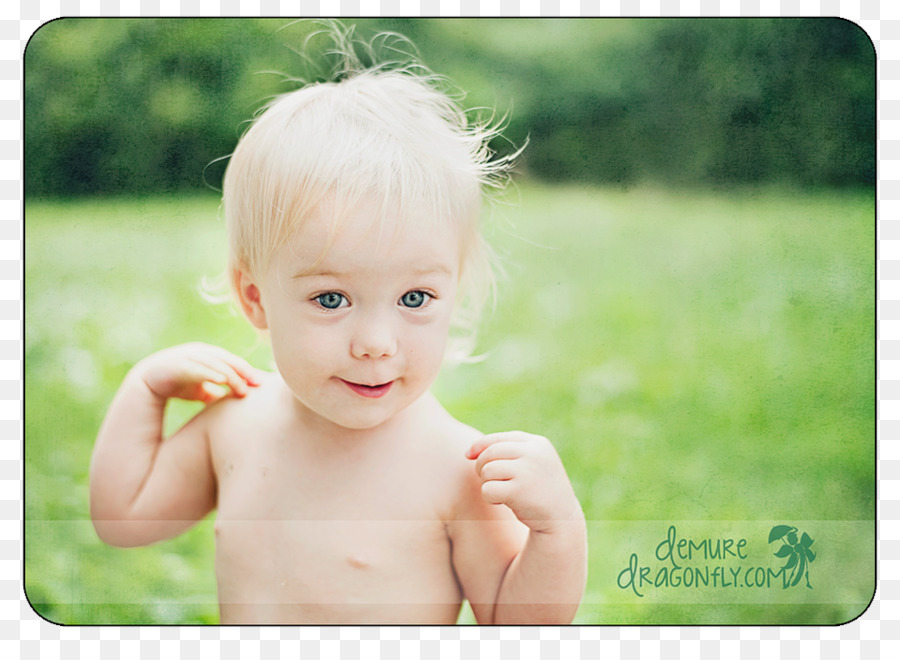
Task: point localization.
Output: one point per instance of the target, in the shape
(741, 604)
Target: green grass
(695, 357)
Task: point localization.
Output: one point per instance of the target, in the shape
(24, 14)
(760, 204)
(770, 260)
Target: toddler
(344, 492)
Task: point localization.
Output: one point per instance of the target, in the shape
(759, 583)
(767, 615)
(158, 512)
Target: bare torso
(319, 528)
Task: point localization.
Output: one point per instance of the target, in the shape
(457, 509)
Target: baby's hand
(524, 472)
(197, 372)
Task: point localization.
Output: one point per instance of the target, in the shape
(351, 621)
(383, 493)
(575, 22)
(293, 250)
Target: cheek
(298, 345)
(426, 343)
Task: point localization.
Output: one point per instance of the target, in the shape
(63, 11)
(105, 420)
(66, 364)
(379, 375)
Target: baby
(344, 492)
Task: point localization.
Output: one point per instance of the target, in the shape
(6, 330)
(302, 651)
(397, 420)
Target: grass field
(699, 359)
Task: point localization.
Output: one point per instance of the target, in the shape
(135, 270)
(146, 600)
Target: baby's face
(361, 334)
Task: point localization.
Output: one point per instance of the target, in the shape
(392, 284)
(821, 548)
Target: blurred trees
(146, 105)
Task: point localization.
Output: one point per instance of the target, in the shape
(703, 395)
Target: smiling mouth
(369, 391)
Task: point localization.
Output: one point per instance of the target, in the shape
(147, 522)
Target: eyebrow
(326, 272)
(315, 273)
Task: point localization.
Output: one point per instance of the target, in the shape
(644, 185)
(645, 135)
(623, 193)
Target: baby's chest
(267, 485)
(335, 571)
(363, 520)
(289, 534)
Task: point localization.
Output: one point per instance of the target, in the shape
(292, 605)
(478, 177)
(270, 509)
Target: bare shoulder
(448, 441)
(233, 410)
(232, 421)
(448, 437)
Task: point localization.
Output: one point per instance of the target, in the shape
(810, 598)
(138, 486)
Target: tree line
(139, 106)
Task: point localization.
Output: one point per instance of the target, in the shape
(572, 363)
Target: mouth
(369, 391)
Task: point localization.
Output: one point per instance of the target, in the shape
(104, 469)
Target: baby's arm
(534, 574)
(143, 488)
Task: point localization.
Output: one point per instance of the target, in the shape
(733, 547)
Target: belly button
(358, 562)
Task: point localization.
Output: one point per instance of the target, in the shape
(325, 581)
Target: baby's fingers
(196, 382)
(243, 369)
(210, 392)
(477, 447)
(493, 440)
(224, 368)
(196, 372)
(222, 373)
(499, 451)
(497, 492)
(499, 470)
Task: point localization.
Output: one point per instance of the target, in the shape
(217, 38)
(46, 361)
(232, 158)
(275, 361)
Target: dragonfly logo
(797, 552)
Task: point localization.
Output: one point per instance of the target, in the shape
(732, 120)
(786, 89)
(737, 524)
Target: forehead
(371, 236)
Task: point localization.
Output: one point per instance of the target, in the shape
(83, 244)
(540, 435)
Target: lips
(369, 391)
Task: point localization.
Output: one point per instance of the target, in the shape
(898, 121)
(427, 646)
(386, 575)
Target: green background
(687, 312)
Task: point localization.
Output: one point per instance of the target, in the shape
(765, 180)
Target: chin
(358, 414)
(361, 425)
(371, 419)
(353, 420)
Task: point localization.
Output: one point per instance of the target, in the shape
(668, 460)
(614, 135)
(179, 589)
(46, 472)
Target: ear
(249, 297)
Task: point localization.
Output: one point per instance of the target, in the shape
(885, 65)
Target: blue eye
(414, 298)
(331, 300)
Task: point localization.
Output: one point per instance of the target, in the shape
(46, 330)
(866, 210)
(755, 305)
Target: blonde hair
(391, 132)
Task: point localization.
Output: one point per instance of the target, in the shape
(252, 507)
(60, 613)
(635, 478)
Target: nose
(374, 337)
